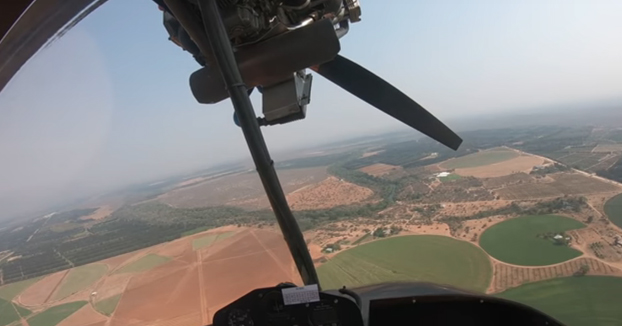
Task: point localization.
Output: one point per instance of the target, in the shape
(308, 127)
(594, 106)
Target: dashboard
(288, 305)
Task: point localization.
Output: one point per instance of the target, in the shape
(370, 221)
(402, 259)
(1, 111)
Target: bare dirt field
(508, 276)
(607, 148)
(40, 292)
(523, 163)
(101, 213)
(563, 184)
(242, 189)
(380, 169)
(328, 193)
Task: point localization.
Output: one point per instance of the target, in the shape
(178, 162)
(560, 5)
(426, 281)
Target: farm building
(443, 174)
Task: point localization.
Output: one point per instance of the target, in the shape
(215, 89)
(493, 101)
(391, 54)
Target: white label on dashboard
(303, 294)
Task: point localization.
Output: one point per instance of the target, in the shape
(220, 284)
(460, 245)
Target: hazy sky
(109, 103)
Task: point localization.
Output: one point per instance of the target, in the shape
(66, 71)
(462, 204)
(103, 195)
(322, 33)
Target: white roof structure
(558, 236)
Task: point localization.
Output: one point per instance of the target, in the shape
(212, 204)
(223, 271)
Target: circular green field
(516, 241)
(575, 301)
(479, 159)
(613, 209)
(426, 258)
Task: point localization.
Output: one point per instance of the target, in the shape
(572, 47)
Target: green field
(55, 315)
(10, 291)
(613, 209)
(80, 278)
(575, 301)
(450, 177)
(143, 264)
(108, 305)
(208, 240)
(516, 241)
(427, 258)
(10, 312)
(479, 159)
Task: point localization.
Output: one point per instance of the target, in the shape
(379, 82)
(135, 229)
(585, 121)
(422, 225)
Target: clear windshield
(124, 202)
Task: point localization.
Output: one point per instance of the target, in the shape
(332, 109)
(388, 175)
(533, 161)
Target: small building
(443, 174)
(558, 237)
(328, 250)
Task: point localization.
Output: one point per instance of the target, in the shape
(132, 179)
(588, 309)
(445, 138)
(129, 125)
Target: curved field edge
(12, 290)
(11, 312)
(410, 258)
(108, 305)
(575, 301)
(613, 210)
(56, 314)
(516, 241)
(80, 278)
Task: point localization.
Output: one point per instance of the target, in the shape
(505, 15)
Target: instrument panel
(274, 307)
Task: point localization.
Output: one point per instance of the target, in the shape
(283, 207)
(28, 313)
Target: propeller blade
(372, 89)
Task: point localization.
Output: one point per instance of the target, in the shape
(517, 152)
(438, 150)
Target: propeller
(372, 89)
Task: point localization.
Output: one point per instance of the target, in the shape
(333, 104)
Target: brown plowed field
(40, 292)
(563, 184)
(85, 316)
(328, 193)
(380, 169)
(523, 163)
(508, 276)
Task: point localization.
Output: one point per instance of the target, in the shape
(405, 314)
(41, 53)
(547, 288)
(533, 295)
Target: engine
(251, 21)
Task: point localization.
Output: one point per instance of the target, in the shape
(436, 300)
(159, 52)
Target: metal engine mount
(287, 101)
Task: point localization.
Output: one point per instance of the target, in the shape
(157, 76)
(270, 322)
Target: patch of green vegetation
(450, 177)
(10, 312)
(80, 278)
(10, 291)
(143, 264)
(56, 314)
(613, 209)
(409, 258)
(62, 227)
(108, 305)
(361, 239)
(194, 231)
(480, 159)
(519, 241)
(575, 301)
(208, 240)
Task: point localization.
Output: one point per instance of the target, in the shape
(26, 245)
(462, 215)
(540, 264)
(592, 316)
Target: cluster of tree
(613, 173)
(582, 271)
(555, 167)
(567, 203)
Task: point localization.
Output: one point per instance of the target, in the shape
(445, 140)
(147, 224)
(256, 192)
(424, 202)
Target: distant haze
(109, 104)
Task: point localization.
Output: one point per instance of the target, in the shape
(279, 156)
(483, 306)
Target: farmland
(184, 250)
(10, 312)
(561, 184)
(613, 209)
(409, 258)
(108, 305)
(510, 276)
(143, 264)
(480, 159)
(56, 314)
(529, 240)
(575, 301)
(79, 278)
